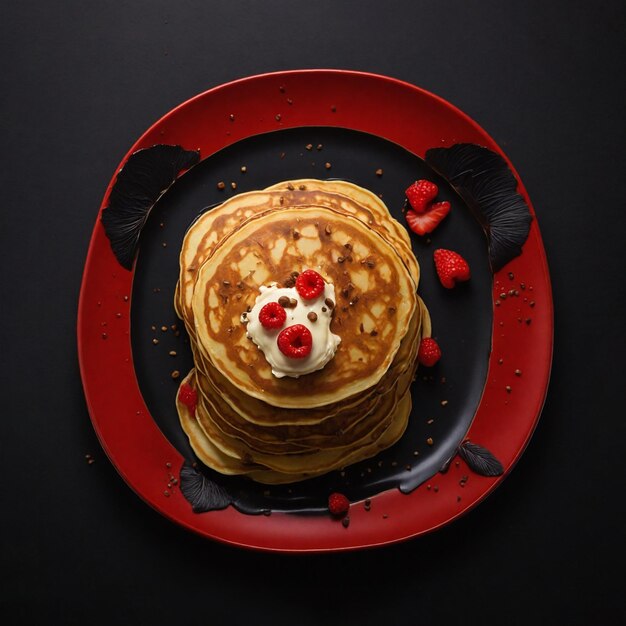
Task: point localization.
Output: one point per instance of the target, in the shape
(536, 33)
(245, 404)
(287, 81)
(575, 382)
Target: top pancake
(211, 227)
(376, 300)
(359, 194)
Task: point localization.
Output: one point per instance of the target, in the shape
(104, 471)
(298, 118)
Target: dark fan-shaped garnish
(144, 178)
(485, 182)
(202, 493)
(480, 460)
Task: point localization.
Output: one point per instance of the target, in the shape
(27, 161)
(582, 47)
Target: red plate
(373, 104)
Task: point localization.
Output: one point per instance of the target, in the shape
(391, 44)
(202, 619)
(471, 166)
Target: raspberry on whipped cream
(313, 313)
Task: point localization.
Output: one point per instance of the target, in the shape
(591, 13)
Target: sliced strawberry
(309, 285)
(420, 194)
(422, 223)
(451, 267)
(295, 341)
(272, 315)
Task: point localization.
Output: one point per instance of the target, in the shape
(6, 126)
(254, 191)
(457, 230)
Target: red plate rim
(399, 112)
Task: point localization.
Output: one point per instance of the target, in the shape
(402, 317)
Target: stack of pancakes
(280, 430)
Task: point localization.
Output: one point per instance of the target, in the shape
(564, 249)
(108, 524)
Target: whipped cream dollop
(324, 342)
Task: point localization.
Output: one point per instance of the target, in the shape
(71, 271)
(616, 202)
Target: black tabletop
(81, 81)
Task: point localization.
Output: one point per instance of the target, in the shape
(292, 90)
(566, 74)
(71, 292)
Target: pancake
(358, 194)
(375, 293)
(331, 434)
(314, 461)
(379, 441)
(204, 449)
(252, 411)
(255, 411)
(279, 426)
(211, 227)
(208, 454)
(387, 438)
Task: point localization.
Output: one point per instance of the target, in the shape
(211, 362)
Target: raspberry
(451, 267)
(420, 194)
(309, 285)
(188, 396)
(429, 352)
(338, 504)
(272, 315)
(295, 341)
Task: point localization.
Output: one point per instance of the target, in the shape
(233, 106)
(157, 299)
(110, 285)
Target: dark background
(81, 81)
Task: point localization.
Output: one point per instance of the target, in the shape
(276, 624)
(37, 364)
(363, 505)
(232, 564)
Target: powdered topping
(303, 343)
